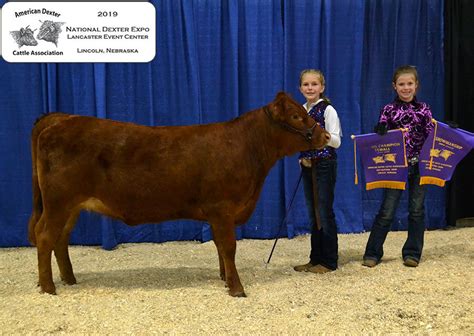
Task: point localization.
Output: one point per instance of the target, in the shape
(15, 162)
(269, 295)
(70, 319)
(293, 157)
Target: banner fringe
(432, 180)
(385, 184)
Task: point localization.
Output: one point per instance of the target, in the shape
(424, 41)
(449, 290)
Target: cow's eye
(295, 117)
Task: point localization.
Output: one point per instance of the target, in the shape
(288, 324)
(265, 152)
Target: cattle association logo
(49, 31)
(34, 31)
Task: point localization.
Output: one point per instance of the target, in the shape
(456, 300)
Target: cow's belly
(138, 212)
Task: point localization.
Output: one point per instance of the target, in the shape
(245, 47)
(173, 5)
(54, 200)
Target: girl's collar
(310, 106)
(413, 101)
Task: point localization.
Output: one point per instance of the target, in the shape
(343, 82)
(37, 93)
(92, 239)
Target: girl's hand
(305, 162)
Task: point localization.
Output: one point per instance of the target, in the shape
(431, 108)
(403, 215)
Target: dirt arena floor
(174, 289)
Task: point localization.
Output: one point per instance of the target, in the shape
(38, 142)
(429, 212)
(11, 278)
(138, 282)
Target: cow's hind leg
(224, 238)
(48, 232)
(34, 219)
(61, 252)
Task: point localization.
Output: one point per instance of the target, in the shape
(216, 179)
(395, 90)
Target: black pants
(324, 245)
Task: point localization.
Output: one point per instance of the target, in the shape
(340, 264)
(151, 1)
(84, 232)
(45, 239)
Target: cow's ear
(277, 107)
(280, 95)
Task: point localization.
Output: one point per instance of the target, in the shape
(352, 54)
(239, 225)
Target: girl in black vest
(319, 176)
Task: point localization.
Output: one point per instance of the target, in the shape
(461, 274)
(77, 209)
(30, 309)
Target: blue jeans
(416, 214)
(324, 247)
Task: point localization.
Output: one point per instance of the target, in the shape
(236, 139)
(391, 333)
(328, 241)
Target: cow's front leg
(223, 229)
(221, 264)
(221, 260)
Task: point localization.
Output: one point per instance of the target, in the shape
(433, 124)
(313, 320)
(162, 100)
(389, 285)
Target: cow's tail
(42, 123)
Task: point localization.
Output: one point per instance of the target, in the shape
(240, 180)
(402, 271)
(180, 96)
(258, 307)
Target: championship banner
(383, 159)
(442, 151)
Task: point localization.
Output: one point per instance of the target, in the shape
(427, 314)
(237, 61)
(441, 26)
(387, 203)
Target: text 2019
(107, 14)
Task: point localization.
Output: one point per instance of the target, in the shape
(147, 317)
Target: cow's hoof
(48, 289)
(48, 292)
(69, 280)
(237, 294)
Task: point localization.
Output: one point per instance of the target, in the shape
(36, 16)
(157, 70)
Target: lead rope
(286, 216)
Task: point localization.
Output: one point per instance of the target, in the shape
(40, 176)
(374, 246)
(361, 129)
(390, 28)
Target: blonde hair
(320, 75)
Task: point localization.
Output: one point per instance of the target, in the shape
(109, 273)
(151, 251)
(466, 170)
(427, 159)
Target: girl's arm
(333, 126)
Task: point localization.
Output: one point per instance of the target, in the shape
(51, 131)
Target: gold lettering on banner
(384, 148)
(437, 166)
(446, 142)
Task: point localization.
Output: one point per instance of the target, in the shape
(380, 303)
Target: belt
(413, 160)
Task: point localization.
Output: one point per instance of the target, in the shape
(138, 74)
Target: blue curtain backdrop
(215, 60)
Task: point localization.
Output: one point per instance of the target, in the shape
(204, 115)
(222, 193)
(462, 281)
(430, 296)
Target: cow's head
(293, 118)
(49, 31)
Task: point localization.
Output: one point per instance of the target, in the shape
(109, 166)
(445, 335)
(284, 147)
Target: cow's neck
(282, 140)
(265, 140)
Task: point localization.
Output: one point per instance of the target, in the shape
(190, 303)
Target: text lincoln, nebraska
(107, 50)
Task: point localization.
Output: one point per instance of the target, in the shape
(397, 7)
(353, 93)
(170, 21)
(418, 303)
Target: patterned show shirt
(415, 116)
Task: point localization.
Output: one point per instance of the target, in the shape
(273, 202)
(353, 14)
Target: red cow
(141, 174)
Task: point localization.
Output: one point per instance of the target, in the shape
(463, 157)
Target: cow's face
(293, 118)
(49, 31)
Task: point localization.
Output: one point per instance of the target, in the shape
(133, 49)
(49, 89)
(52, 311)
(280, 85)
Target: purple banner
(442, 151)
(383, 159)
